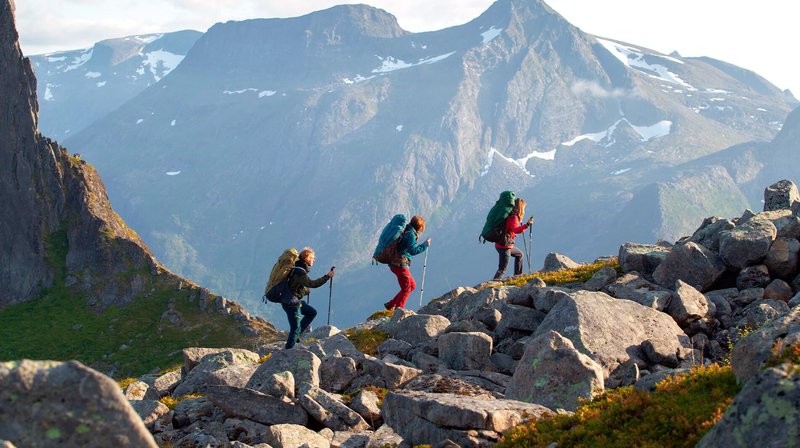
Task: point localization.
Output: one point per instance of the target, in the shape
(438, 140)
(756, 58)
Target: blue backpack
(386, 252)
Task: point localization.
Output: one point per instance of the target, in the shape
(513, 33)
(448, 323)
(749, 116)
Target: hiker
(299, 284)
(407, 248)
(505, 246)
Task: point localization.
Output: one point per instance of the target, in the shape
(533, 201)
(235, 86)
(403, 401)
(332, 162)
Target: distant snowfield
(161, 62)
(92, 75)
(78, 61)
(261, 93)
(390, 64)
(48, 93)
(518, 162)
(634, 57)
(172, 173)
(660, 129)
(490, 34)
(101, 84)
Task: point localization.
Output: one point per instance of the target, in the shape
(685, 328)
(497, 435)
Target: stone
(756, 276)
(778, 290)
(660, 353)
(336, 373)
(766, 412)
(419, 327)
(637, 289)
(555, 375)
(760, 312)
(303, 364)
(465, 351)
(556, 262)
(687, 304)
(780, 196)
(648, 382)
(344, 439)
(503, 363)
(394, 347)
(642, 258)
(329, 410)
(462, 308)
(603, 277)
(193, 355)
(365, 403)
(294, 436)
(426, 362)
(383, 437)
(794, 301)
(340, 343)
(396, 375)
(209, 371)
(707, 235)
(245, 431)
(748, 296)
(189, 410)
(149, 410)
(611, 331)
(751, 352)
(136, 390)
(166, 383)
(48, 403)
(782, 258)
(253, 405)
(488, 316)
(746, 244)
(546, 298)
(518, 319)
(279, 385)
(692, 263)
(322, 332)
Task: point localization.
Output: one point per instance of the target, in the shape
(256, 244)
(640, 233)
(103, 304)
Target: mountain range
(315, 130)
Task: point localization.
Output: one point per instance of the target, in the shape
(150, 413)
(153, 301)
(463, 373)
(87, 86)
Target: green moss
(677, 414)
(381, 315)
(366, 341)
(580, 274)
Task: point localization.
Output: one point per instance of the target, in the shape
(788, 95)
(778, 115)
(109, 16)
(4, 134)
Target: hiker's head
(417, 223)
(307, 256)
(519, 208)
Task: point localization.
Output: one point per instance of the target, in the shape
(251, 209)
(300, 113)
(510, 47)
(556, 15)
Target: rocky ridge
(478, 361)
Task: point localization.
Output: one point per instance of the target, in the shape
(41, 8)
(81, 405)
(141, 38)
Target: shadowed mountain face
(315, 130)
(65, 249)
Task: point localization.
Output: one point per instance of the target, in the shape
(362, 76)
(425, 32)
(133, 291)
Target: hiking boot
(388, 306)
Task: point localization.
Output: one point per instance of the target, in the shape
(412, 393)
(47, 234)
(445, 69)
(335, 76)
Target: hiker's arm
(308, 283)
(513, 226)
(415, 249)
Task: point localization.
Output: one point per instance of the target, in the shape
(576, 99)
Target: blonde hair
(418, 223)
(305, 253)
(519, 208)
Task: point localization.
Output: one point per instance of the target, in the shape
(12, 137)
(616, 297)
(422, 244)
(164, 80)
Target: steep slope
(79, 86)
(65, 253)
(315, 130)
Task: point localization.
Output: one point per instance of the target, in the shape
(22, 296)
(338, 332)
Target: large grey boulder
(556, 262)
(751, 352)
(419, 328)
(778, 290)
(604, 276)
(546, 298)
(517, 318)
(746, 244)
(466, 305)
(707, 235)
(366, 404)
(149, 410)
(760, 312)
(48, 403)
(637, 289)
(611, 331)
(294, 436)
(781, 196)
(642, 258)
(465, 351)
(329, 411)
(253, 405)
(166, 383)
(756, 276)
(555, 375)
(336, 373)
(766, 412)
(303, 364)
(429, 418)
(383, 437)
(782, 258)
(692, 263)
(240, 364)
(687, 305)
(192, 356)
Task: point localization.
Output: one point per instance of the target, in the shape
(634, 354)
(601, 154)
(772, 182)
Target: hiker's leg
(293, 314)
(518, 265)
(502, 263)
(309, 313)
(403, 275)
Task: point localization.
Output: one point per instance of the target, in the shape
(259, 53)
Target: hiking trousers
(505, 255)
(407, 284)
(297, 325)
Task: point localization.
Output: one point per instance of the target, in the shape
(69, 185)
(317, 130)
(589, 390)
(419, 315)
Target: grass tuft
(580, 274)
(380, 315)
(170, 401)
(366, 341)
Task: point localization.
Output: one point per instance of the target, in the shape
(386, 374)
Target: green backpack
(494, 227)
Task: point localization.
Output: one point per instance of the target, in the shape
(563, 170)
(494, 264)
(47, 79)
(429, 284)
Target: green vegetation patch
(170, 401)
(580, 274)
(366, 341)
(784, 353)
(381, 315)
(379, 391)
(677, 414)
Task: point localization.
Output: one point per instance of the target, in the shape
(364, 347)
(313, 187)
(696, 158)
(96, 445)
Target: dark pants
(407, 284)
(505, 254)
(296, 325)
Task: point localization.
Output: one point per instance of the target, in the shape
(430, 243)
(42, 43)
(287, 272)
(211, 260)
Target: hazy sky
(756, 35)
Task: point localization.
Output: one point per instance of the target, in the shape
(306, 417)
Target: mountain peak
(365, 20)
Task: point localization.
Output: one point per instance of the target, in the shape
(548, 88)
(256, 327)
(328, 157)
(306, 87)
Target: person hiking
(407, 247)
(299, 283)
(505, 247)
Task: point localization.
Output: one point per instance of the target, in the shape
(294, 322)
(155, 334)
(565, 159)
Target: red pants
(407, 284)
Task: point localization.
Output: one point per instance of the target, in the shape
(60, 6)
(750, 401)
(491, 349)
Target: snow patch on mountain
(79, 60)
(172, 173)
(91, 75)
(261, 93)
(390, 64)
(646, 133)
(101, 83)
(48, 93)
(518, 162)
(160, 62)
(635, 58)
(490, 34)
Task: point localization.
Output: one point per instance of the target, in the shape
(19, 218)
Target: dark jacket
(300, 281)
(408, 246)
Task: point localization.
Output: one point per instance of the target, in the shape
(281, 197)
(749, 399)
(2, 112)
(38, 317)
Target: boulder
(642, 258)
(756, 276)
(611, 331)
(394, 347)
(766, 412)
(546, 298)
(336, 373)
(760, 312)
(780, 196)
(294, 436)
(166, 383)
(383, 437)
(518, 318)
(746, 244)
(245, 431)
(778, 290)
(190, 410)
(209, 371)
(687, 305)
(465, 351)
(48, 403)
(556, 262)
(279, 385)
(395, 375)
(193, 355)
(692, 263)
(635, 288)
(555, 375)
(648, 382)
(149, 410)
(782, 258)
(136, 390)
(303, 364)
(751, 352)
(429, 418)
(464, 307)
(365, 403)
(604, 276)
(253, 405)
(329, 410)
(419, 328)
(707, 235)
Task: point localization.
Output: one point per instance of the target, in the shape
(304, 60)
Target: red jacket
(513, 228)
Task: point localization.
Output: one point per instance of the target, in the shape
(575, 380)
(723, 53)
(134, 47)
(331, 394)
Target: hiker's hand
(428, 241)
(530, 221)
(331, 273)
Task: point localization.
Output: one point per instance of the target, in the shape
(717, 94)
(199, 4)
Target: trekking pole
(308, 300)
(527, 254)
(530, 232)
(330, 296)
(424, 268)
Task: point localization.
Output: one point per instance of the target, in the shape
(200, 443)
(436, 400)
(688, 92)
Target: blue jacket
(408, 246)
